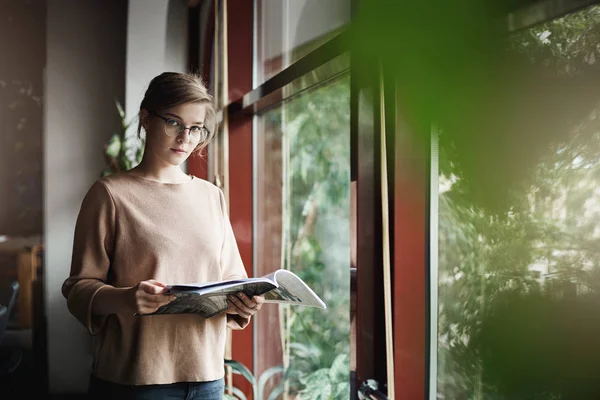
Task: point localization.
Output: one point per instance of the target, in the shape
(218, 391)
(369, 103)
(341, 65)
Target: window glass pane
(518, 282)
(303, 224)
(289, 29)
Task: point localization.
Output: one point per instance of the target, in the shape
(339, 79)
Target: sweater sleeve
(93, 247)
(232, 266)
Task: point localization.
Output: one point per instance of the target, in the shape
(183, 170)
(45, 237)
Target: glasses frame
(200, 139)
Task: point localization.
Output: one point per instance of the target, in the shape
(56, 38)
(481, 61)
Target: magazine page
(212, 301)
(216, 287)
(292, 290)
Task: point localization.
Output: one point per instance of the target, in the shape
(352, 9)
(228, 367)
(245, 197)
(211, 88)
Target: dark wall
(22, 62)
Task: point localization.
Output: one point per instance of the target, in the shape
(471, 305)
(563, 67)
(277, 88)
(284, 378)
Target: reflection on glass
(519, 288)
(290, 29)
(303, 222)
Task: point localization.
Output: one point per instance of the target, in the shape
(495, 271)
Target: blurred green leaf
(114, 146)
(239, 368)
(122, 153)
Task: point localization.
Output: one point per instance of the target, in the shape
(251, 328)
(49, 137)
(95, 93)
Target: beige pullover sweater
(131, 229)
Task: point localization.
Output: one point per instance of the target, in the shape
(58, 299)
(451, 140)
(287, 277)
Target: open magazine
(210, 299)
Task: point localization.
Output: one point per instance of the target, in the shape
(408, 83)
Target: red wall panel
(240, 13)
(410, 270)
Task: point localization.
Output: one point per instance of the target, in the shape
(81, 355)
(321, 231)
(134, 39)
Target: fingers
(150, 303)
(237, 307)
(163, 299)
(150, 296)
(259, 300)
(155, 302)
(152, 287)
(245, 306)
(157, 283)
(246, 300)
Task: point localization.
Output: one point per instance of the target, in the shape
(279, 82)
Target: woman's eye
(172, 122)
(195, 128)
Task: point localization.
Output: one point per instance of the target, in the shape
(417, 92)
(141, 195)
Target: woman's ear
(144, 119)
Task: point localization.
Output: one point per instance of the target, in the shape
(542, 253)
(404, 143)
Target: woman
(141, 230)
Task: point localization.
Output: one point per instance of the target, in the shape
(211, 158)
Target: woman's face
(174, 149)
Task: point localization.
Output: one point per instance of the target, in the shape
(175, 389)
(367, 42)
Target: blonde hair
(171, 89)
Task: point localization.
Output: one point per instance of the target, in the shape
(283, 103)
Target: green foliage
(510, 277)
(328, 383)
(317, 127)
(565, 46)
(315, 150)
(121, 152)
(258, 383)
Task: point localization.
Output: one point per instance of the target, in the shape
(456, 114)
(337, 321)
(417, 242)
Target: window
(290, 29)
(519, 232)
(303, 224)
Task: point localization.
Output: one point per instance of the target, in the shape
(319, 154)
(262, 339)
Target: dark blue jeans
(101, 389)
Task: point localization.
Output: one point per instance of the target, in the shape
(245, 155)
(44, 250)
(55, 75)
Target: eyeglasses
(174, 128)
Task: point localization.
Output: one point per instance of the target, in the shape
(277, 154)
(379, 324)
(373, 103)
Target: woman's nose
(186, 133)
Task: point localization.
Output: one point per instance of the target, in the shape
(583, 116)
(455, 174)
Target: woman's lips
(179, 151)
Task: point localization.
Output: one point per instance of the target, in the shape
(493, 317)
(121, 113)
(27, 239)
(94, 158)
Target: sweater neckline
(191, 179)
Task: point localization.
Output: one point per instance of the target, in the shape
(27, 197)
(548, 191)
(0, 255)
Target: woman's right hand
(148, 296)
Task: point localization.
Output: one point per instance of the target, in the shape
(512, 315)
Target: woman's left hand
(243, 305)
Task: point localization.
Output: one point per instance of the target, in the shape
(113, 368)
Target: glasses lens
(203, 134)
(198, 134)
(172, 127)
